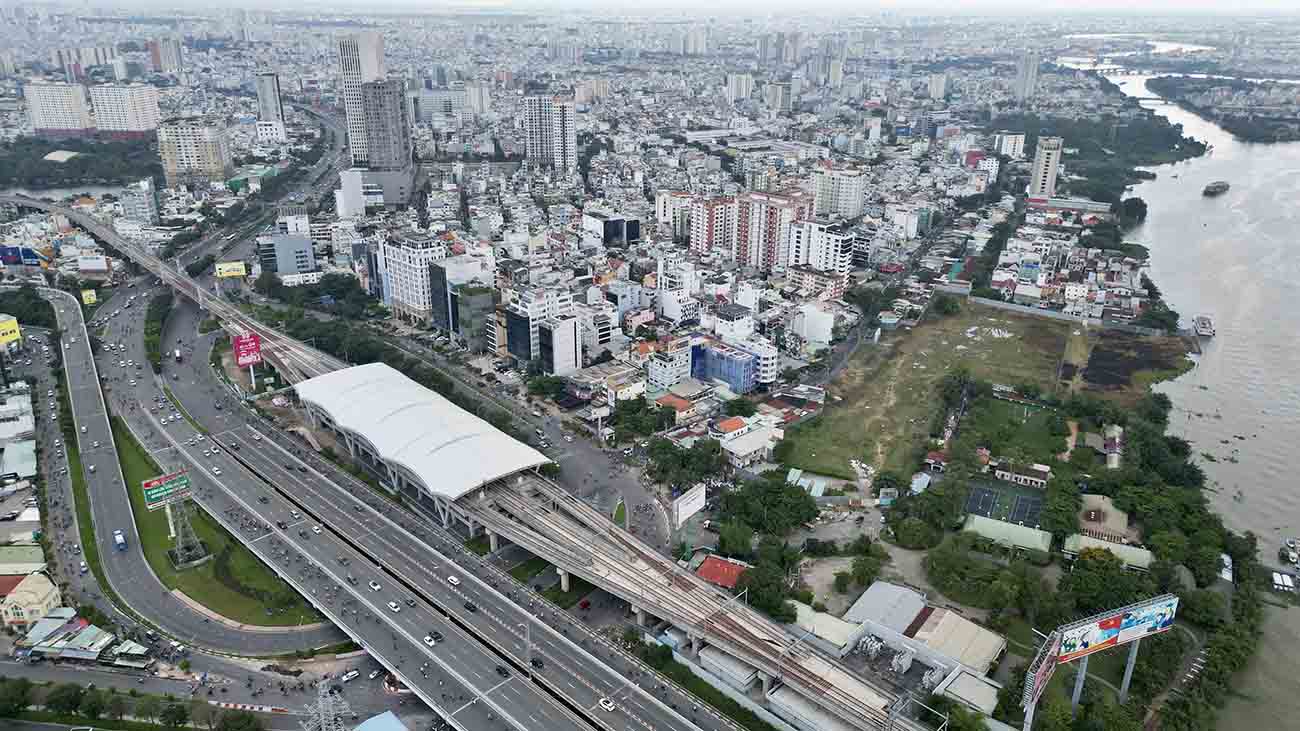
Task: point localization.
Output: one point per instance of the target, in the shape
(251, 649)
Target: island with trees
(1253, 111)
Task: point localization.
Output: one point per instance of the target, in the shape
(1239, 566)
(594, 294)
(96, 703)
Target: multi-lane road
(128, 572)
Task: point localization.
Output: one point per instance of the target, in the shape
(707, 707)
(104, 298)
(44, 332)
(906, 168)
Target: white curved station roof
(449, 449)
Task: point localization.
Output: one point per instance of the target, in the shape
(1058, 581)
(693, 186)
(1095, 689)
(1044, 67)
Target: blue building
(715, 360)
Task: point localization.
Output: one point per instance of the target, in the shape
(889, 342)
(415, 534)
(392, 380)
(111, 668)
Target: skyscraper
(550, 131)
(1026, 75)
(270, 107)
(361, 59)
(58, 109)
(165, 55)
(739, 87)
(387, 127)
(1047, 158)
(194, 151)
(939, 85)
(126, 110)
(838, 191)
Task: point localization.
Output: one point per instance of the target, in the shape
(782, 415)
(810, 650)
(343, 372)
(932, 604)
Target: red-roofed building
(724, 572)
(730, 424)
(685, 410)
(7, 584)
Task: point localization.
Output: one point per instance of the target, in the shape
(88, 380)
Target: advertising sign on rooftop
(688, 504)
(10, 331)
(89, 297)
(248, 349)
(1112, 629)
(226, 269)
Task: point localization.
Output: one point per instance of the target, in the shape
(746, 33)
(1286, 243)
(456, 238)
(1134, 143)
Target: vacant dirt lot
(882, 403)
(1122, 366)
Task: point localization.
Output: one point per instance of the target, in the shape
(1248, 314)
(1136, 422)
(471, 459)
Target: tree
(1169, 546)
(735, 539)
(766, 587)
(1098, 581)
(15, 696)
(1055, 715)
(239, 721)
(740, 407)
(770, 505)
(92, 704)
(945, 305)
(202, 714)
(117, 707)
(64, 698)
(842, 581)
(1205, 607)
(865, 570)
(149, 708)
(1132, 211)
(174, 715)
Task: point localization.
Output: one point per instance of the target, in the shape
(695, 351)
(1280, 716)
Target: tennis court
(1026, 510)
(981, 501)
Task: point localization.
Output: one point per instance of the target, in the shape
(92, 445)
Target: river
(1236, 257)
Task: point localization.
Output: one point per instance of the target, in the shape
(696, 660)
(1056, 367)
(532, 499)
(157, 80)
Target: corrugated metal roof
(721, 571)
(891, 605)
(1000, 531)
(449, 449)
(1131, 555)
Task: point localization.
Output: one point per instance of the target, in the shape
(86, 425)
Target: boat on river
(1218, 187)
(1204, 326)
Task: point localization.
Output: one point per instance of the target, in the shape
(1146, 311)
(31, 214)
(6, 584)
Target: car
(132, 381)
(200, 437)
(453, 581)
(350, 675)
(627, 452)
(343, 560)
(281, 524)
(503, 671)
(537, 663)
(58, 442)
(50, 393)
(607, 704)
(315, 529)
(374, 586)
(428, 640)
(206, 453)
(470, 607)
(436, 635)
(374, 674)
(568, 437)
(296, 515)
(351, 579)
(90, 467)
(216, 471)
(301, 468)
(263, 499)
(257, 437)
(392, 607)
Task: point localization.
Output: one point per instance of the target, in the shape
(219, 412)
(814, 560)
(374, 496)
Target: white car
(374, 586)
(373, 674)
(350, 675)
(607, 704)
(95, 445)
(428, 640)
(315, 529)
(132, 381)
(453, 581)
(199, 437)
(216, 471)
(206, 453)
(215, 449)
(394, 608)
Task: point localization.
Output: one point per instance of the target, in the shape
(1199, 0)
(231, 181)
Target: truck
(177, 354)
(119, 540)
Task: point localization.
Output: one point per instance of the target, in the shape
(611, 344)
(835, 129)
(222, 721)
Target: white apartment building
(673, 212)
(58, 109)
(739, 87)
(194, 151)
(361, 60)
(597, 323)
(838, 191)
(550, 132)
(404, 260)
(1047, 160)
(270, 110)
(525, 312)
(733, 322)
(821, 244)
(670, 365)
(1011, 144)
(559, 345)
(126, 110)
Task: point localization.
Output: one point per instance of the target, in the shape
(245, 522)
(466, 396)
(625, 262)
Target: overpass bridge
(296, 360)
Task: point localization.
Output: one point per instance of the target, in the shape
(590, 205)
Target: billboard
(25, 255)
(1040, 670)
(231, 269)
(166, 489)
(1112, 629)
(89, 297)
(10, 331)
(248, 349)
(687, 504)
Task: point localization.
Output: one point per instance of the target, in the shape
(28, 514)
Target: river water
(1237, 258)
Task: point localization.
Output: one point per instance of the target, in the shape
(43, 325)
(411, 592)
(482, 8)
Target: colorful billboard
(89, 297)
(165, 490)
(10, 331)
(227, 269)
(1040, 671)
(1113, 629)
(248, 349)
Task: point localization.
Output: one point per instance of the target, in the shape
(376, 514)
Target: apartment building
(126, 111)
(194, 151)
(58, 109)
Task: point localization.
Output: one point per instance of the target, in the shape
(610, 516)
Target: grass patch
(208, 325)
(660, 658)
(235, 584)
(525, 571)
(1003, 425)
(1123, 366)
(99, 723)
(566, 599)
(620, 513)
(480, 545)
(881, 406)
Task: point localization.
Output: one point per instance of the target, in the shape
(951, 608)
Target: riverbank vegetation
(1268, 121)
(23, 163)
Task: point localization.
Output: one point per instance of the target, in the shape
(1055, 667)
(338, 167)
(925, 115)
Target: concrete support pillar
(493, 542)
(1078, 686)
(1128, 670)
(564, 579)
(767, 682)
(696, 645)
(640, 616)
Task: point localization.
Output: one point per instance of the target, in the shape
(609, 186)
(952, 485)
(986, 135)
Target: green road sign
(165, 490)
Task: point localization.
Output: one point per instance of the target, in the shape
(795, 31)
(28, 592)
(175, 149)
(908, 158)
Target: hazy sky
(936, 7)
